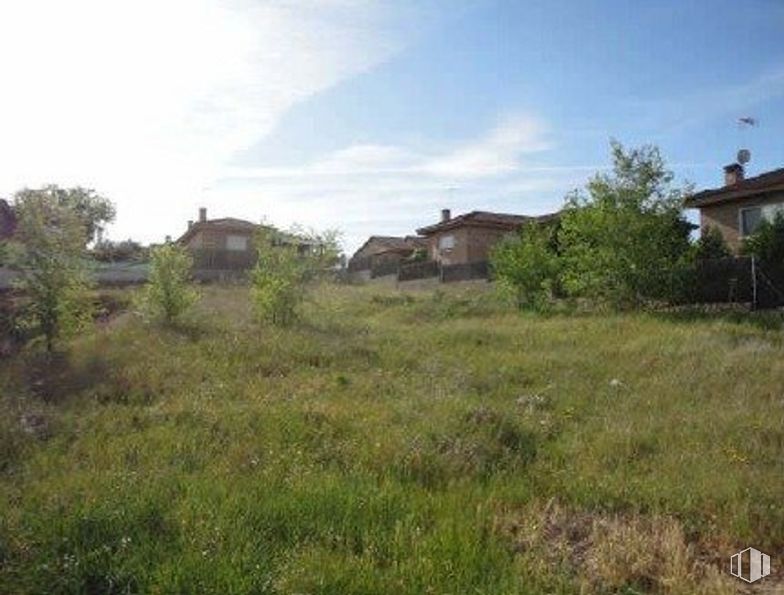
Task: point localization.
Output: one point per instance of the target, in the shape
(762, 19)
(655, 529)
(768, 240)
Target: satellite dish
(744, 156)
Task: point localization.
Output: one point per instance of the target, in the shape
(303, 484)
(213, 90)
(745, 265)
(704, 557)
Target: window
(446, 242)
(751, 218)
(237, 243)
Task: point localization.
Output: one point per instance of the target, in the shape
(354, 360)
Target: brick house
(227, 243)
(383, 253)
(470, 237)
(737, 208)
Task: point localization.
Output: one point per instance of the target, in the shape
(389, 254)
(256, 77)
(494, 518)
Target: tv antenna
(745, 122)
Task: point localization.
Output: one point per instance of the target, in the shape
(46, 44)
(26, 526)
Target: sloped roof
(393, 244)
(746, 188)
(224, 223)
(487, 219)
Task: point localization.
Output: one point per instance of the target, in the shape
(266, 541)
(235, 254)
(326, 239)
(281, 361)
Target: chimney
(203, 215)
(446, 215)
(733, 174)
(190, 223)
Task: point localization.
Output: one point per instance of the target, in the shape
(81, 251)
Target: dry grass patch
(609, 553)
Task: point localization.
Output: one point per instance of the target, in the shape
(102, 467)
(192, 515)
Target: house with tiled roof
(227, 242)
(738, 207)
(469, 238)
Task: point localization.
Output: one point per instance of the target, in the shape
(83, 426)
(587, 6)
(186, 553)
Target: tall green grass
(388, 443)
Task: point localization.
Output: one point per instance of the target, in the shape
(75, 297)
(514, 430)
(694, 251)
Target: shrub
(168, 295)
(623, 241)
(711, 245)
(528, 266)
(286, 263)
(278, 278)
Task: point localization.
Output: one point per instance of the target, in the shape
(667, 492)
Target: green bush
(528, 266)
(168, 295)
(622, 242)
(286, 263)
(711, 245)
(278, 279)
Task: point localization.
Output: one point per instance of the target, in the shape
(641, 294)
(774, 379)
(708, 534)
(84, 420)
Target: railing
(382, 269)
(418, 270)
(223, 260)
(465, 272)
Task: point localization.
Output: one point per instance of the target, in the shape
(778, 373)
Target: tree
(168, 294)
(527, 265)
(286, 263)
(94, 210)
(711, 245)
(50, 245)
(623, 240)
(767, 242)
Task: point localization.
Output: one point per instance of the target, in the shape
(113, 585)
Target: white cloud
(147, 100)
(497, 153)
(387, 189)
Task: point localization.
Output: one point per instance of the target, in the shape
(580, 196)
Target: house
(737, 208)
(228, 233)
(469, 238)
(227, 243)
(383, 253)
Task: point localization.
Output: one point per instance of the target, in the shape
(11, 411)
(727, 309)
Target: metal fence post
(753, 283)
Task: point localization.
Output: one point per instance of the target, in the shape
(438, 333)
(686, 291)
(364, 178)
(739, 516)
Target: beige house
(228, 233)
(737, 208)
(470, 237)
(227, 243)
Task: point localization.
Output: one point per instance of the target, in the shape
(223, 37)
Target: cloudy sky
(370, 116)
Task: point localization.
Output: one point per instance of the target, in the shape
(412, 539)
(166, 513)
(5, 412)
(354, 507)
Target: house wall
(725, 217)
(472, 244)
(215, 239)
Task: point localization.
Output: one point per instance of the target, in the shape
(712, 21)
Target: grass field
(430, 442)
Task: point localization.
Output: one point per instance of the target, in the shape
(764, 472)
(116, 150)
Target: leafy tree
(94, 210)
(168, 294)
(623, 239)
(50, 259)
(528, 266)
(767, 243)
(286, 263)
(711, 245)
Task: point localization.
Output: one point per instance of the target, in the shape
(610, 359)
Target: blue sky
(370, 116)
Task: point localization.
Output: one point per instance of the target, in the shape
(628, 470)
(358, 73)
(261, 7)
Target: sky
(371, 116)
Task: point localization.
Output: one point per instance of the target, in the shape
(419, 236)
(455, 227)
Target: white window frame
(233, 241)
(446, 243)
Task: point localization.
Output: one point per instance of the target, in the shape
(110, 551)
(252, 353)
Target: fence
(224, 260)
(418, 270)
(736, 280)
(382, 269)
(446, 273)
(465, 272)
